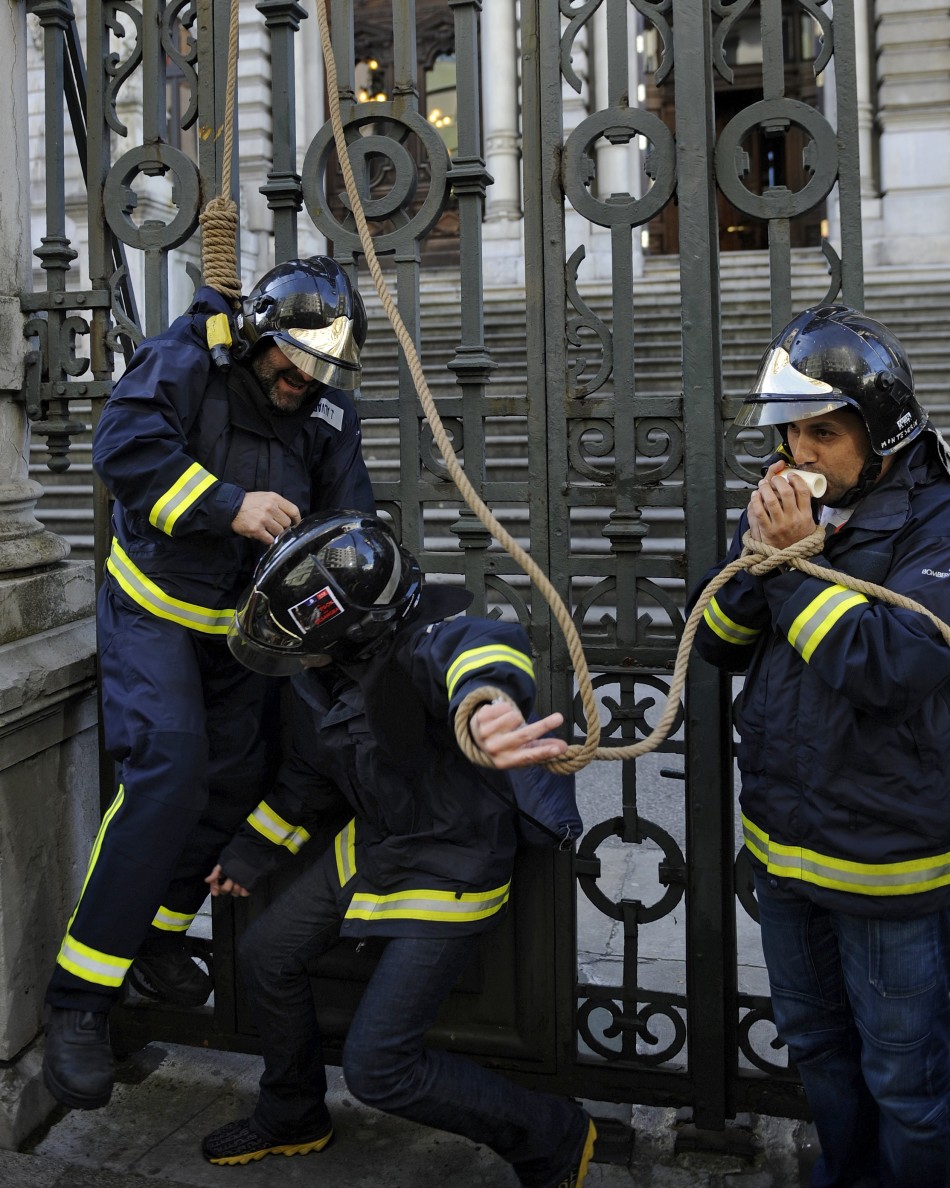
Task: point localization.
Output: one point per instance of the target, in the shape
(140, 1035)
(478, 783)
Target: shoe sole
(74, 1100)
(282, 1149)
(586, 1155)
(155, 988)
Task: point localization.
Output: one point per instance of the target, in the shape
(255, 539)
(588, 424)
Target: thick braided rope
(219, 219)
(758, 558)
(582, 751)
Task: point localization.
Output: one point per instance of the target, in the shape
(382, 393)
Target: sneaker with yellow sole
(239, 1142)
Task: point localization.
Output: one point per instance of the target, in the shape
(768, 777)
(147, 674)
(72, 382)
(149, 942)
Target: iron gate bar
(558, 407)
(710, 977)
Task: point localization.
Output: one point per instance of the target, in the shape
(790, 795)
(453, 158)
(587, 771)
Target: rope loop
(758, 557)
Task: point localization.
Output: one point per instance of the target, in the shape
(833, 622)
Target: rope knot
(219, 231)
(773, 558)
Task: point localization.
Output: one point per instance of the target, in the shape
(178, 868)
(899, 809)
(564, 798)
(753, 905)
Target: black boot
(77, 1063)
(164, 969)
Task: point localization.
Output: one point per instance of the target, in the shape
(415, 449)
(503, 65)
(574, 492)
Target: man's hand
(500, 731)
(223, 886)
(780, 509)
(264, 515)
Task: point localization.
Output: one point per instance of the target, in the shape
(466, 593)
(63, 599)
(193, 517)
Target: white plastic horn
(817, 484)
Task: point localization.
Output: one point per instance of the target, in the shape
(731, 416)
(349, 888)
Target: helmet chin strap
(870, 473)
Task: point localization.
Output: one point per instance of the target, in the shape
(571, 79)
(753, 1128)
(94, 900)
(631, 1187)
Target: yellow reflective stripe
(841, 874)
(273, 827)
(169, 921)
(475, 658)
(96, 847)
(345, 848)
(728, 629)
(424, 904)
(178, 498)
(91, 965)
(821, 614)
(154, 600)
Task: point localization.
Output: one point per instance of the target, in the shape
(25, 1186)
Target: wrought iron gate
(607, 460)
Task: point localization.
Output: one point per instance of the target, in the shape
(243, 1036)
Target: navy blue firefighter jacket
(180, 443)
(844, 717)
(432, 840)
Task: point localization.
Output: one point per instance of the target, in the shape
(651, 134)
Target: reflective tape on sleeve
(471, 661)
(272, 826)
(819, 616)
(178, 498)
(728, 629)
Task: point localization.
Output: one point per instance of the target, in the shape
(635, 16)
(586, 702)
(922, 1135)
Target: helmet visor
(261, 660)
(328, 354)
(258, 640)
(781, 394)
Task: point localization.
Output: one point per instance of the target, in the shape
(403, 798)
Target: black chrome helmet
(335, 585)
(832, 357)
(311, 311)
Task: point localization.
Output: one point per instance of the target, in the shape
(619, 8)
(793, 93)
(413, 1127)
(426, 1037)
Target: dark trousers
(185, 723)
(864, 1007)
(385, 1061)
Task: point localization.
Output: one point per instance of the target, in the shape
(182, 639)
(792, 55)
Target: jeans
(864, 1007)
(385, 1062)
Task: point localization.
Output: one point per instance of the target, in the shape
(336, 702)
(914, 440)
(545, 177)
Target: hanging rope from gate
(219, 221)
(219, 218)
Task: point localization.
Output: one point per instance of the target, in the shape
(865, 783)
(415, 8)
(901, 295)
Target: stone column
(24, 543)
(502, 230)
(311, 115)
(618, 165)
(913, 71)
(48, 761)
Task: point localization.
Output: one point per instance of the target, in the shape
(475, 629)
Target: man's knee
(377, 1079)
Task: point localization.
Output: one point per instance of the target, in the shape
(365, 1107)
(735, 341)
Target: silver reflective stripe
(428, 905)
(153, 599)
(817, 619)
(728, 629)
(273, 827)
(860, 878)
(345, 848)
(103, 969)
(475, 658)
(169, 921)
(179, 497)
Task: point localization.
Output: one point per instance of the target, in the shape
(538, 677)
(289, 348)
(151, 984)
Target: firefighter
(845, 746)
(424, 862)
(211, 455)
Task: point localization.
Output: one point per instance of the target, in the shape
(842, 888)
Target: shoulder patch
(327, 411)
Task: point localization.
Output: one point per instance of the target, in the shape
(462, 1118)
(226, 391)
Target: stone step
(915, 302)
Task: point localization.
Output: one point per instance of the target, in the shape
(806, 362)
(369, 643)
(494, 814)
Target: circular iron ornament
(118, 199)
(578, 168)
(781, 203)
(672, 854)
(761, 1015)
(393, 205)
(640, 1024)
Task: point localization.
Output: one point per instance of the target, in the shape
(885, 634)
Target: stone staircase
(914, 302)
